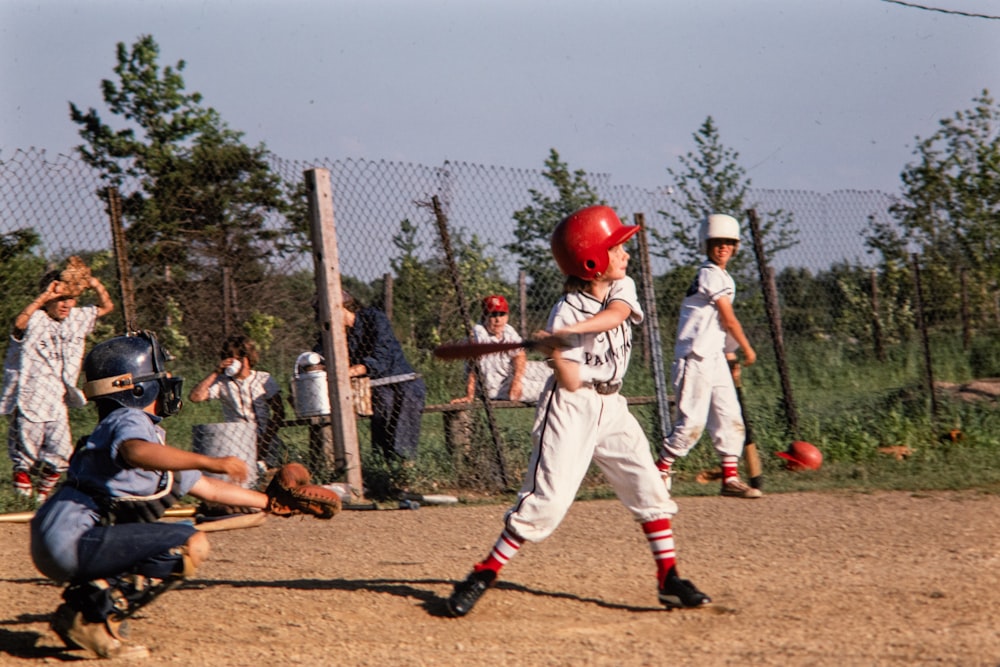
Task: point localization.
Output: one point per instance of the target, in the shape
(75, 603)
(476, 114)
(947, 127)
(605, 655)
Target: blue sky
(813, 94)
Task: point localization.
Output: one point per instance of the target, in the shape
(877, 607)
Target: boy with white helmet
(702, 382)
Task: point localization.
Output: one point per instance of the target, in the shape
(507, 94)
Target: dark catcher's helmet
(130, 371)
(580, 242)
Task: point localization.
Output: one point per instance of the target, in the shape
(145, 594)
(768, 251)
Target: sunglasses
(497, 313)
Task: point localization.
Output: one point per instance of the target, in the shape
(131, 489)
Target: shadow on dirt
(413, 589)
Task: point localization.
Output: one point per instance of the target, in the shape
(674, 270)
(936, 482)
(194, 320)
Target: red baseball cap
(495, 303)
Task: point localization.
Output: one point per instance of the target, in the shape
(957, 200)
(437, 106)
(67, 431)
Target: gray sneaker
(734, 487)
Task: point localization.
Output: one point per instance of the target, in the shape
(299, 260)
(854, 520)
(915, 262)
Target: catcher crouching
(99, 534)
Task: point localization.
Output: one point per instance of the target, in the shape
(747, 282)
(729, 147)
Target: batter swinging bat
(750, 453)
(467, 350)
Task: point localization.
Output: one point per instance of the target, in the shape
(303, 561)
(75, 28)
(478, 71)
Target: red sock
(730, 467)
(663, 464)
(660, 536)
(506, 548)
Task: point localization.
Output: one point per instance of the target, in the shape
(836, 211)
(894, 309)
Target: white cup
(233, 368)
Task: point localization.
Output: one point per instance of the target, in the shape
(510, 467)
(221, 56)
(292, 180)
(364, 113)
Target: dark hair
(574, 284)
(350, 303)
(240, 346)
(48, 278)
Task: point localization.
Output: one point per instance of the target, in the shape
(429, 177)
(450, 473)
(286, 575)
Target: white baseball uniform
(702, 382)
(593, 423)
(498, 369)
(40, 382)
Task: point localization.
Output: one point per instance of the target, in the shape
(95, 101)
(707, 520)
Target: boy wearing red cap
(505, 375)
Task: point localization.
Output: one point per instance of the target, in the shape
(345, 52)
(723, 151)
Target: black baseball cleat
(468, 592)
(676, 593)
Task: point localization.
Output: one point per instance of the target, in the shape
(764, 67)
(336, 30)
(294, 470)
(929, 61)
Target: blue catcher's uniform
(98, 532)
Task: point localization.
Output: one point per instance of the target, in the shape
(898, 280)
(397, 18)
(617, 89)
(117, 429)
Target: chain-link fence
(197, 292)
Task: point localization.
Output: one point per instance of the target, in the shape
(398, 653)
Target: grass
(847, 405)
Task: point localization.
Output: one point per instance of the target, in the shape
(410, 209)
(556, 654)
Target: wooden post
(645, 280)
(331, 319)
(500, 456)
(121, 259)
(387, 297)
(767, 284)
(918, 296)
(966, 315)
(522, 297)
(652, 330)
(227, 304)
(877, 336)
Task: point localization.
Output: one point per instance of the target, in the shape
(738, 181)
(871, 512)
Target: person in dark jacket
(397, 393)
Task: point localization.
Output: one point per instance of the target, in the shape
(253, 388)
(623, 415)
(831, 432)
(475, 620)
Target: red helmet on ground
(802, 455)
(580, 242)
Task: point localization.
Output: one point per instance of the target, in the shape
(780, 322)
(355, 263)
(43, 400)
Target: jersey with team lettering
(603, 357)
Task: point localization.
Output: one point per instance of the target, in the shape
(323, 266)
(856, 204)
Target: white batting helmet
(717, 226)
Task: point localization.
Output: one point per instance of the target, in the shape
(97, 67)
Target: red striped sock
(730, 467)
(660, 536)
(46, 483)
(663, 464)
(506, 548)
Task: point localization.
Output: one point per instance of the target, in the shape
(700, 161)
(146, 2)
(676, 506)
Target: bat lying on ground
(213, 524)
(467, 350)
(177, 511)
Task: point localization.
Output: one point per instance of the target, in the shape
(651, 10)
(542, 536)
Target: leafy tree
(949, 209)
(428, 321)
(415, 280)
(534, 225)
(712, 181)
(200, 202)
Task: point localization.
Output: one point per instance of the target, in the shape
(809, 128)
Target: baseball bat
(468, 350)
(750, 454)
(25, 517)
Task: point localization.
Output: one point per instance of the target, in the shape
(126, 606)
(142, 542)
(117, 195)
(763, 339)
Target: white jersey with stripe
(699, 329)
(603, 357)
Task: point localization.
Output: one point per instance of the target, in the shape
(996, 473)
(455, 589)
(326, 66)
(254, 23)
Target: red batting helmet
(802, 455)
(580, 242)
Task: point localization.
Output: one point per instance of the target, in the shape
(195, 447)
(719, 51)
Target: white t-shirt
(497, 369)
(699, 329)
(245, 400)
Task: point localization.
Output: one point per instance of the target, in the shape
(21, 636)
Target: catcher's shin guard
(116, 598)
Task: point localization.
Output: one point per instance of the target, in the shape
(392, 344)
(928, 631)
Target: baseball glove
(289, 493)
(76, 276)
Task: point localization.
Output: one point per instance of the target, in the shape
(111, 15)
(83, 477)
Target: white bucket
(310, 394)
(228, 439)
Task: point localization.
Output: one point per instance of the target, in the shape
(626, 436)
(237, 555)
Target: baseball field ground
(841, 578)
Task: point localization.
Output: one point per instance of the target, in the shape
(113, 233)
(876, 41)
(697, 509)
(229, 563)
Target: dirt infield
(797, 579)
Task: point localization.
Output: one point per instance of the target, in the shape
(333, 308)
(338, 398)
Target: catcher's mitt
(290, 494)
(76, 276)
